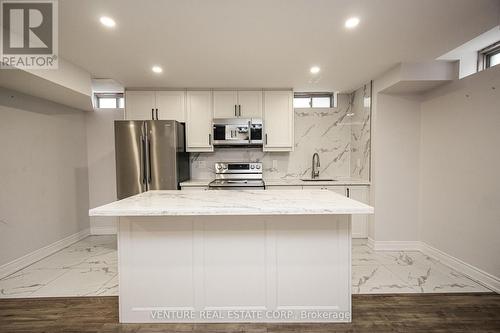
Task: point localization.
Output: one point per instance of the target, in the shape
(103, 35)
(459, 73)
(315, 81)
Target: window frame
(485, 54)
(117, 97)
(311, 95)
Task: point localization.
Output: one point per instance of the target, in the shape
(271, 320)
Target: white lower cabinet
(337, 189)
(284, 187)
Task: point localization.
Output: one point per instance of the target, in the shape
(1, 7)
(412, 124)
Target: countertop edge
(277, 182)
(226, 213)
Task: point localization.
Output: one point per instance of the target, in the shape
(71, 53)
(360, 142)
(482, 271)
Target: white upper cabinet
(139, 105)
(171, 105)
(162, 105)
(278, 120)
(233, 104)
(199, 121)
(250, 103)
(225, 104)
(198, 108)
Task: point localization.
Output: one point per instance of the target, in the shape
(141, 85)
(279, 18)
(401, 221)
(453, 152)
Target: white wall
(101, 161)
(43, 174)
(395, 166)
(460, 165)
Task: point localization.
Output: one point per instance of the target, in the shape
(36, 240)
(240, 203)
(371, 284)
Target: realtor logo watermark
(251, 315)
(29, 36)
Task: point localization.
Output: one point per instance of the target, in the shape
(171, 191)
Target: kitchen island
(234, 256)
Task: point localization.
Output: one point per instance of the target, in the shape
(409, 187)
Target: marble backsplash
(360, 132)
(329, 132)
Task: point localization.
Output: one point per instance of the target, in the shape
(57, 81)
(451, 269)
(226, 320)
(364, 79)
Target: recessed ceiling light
(314, 70)
(107, 21)
(352, 22)
(157, 69)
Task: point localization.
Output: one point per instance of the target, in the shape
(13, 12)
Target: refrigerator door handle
(149, 161)
(143, 159)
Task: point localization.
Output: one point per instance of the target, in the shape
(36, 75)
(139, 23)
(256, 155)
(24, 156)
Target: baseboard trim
(107, 230)
(476, 274)
(395, 245)
(30, 258)
(371, 243)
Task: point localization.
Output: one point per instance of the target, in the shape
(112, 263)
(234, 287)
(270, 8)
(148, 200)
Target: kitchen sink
(318, 180)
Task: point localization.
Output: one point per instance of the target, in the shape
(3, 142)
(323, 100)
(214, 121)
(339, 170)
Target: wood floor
(371, 313)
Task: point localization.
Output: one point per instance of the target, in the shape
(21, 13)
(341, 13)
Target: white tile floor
(89, 268)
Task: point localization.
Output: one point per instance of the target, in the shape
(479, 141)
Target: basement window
(489, 56)
(109, 101)
(313, 100)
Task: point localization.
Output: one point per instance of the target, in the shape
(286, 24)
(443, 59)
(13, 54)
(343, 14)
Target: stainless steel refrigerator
(150, 155)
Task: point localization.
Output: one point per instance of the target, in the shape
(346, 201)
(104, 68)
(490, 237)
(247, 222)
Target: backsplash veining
(325, 131)
(360, 132)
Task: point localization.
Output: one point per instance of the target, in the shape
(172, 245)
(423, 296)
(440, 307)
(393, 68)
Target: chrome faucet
(315, 166)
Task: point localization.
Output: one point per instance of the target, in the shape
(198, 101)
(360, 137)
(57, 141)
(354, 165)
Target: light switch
(275, 164)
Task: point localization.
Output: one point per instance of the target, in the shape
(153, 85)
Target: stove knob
(258, 166)
(219, 167)
(252, 166)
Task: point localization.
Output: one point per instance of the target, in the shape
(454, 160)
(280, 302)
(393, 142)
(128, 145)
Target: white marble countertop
(279, 202)
(287, 182)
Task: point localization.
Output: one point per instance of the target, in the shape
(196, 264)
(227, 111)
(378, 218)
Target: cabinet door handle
(156, 114)
(266, 138)
(348, 192)
(235, 110)
(210, 139)
(239, 110)
(152, 114)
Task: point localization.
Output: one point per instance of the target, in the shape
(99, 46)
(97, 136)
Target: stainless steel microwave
(234, 132)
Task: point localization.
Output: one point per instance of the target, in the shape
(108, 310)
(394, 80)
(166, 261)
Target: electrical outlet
(275, 164)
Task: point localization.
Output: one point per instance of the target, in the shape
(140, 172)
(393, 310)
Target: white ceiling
(263, 43)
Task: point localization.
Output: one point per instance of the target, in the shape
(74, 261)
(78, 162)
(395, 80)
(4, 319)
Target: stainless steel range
(237, 176)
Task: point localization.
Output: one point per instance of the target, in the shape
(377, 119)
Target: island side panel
(216, 264)
(313, 263)
(156, 266)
